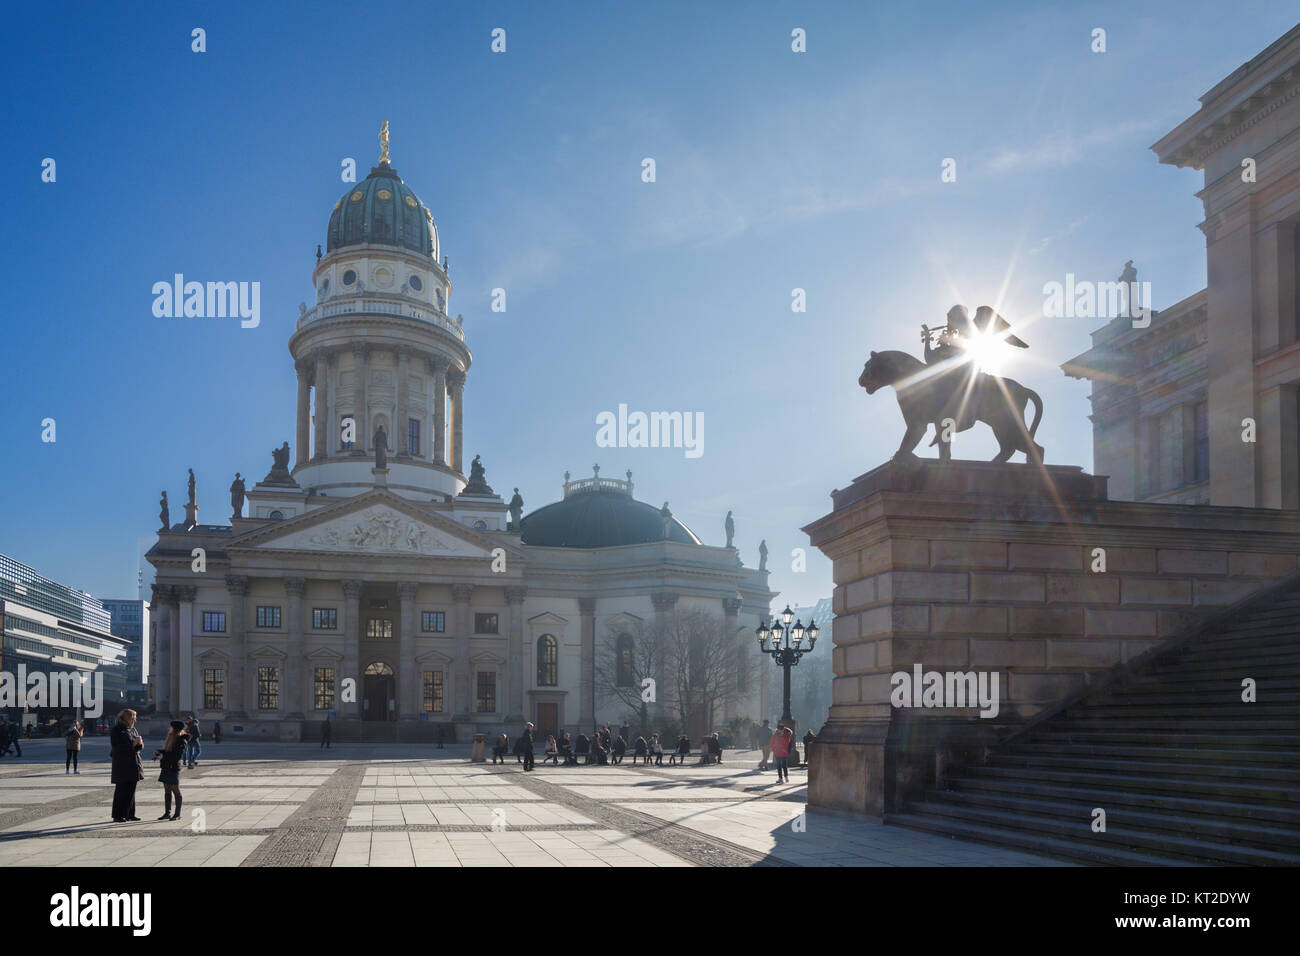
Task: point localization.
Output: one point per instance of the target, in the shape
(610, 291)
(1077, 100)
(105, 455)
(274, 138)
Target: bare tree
(707, 666)
(693, 668)
(622, 667)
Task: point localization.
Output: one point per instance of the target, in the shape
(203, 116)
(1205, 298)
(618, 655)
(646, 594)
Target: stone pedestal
(1018, 572)
(381, 477)
(191, 516)
(479, 754)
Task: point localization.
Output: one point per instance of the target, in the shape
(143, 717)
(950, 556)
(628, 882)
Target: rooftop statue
(164, 513)
(950, 392)
(516, 511)
(730, 525)
(190, 485)
(237, 496)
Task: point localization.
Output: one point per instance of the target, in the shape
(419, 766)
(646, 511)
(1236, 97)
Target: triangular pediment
(378, 523)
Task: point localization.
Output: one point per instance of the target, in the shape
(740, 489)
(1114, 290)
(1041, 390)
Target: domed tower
(380, 350)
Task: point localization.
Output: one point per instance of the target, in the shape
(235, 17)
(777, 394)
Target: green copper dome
(382, 210)
(600, 518)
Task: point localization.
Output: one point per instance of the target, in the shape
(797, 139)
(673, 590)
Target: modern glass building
(130, 620)
(51, 628)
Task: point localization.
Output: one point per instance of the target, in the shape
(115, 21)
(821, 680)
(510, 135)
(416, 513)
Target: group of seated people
(607, 747)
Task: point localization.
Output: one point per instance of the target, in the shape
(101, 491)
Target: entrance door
(377, 690)
(548, 721)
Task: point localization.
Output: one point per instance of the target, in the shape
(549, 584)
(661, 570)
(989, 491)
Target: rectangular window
(433, 691)
(1201, 442)
(268, 687)
(413, 435)
(485, 700)
(214, 688)
(325, 618)
(268, 616)
(323, 688)
(434, 622)
(214, 622)
(485, 624)
(379, 627)
(379, 604)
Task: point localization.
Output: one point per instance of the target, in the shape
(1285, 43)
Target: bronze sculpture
(237, 496)
(381, 448)
(164, 513)
(961, 394)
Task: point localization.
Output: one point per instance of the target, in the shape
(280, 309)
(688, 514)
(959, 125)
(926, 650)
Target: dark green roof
(600, 519)
(398, 218)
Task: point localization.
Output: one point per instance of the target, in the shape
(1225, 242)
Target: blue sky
(775, 170)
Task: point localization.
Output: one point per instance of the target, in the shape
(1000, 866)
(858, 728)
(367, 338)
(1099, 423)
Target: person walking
(780, 745)
(216, 732)
(169, 764)
(10, 734)
(192, 749)
(441, 736)
(765, 742)
(808, 738)
(500, 749)
(73, 738)
(325, 732)
(127, 770)
(525, 746)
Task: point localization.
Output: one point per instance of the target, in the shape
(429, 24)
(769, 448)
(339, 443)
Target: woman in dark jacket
(124, 750)
(169, 763)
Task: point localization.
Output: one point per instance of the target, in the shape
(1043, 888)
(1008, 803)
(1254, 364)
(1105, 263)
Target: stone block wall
(974, 566)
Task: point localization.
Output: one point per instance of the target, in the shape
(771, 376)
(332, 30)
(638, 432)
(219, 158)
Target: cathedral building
(377, 583)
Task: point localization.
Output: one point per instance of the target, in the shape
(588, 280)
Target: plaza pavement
(268, 804)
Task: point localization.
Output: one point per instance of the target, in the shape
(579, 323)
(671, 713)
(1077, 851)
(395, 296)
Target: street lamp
(785, 643)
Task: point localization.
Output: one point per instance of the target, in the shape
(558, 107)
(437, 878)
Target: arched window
(548, 661)
(625, 676)
(379, 669)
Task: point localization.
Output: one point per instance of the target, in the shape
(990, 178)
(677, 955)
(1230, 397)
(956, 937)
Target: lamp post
(785, 643)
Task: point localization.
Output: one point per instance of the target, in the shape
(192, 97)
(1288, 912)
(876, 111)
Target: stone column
(360, 406)
(515, 657)
(303, 436)
(325, 424)
(294, 663)
(408, 705)
(349, 710)
(403, 411)
(185, 670)
(587, 659)
(236, 686)
(664, 603)
(463, 707)
(438, 367)
(457, 379)
(730, 625)
(162, 651)
(174, 652)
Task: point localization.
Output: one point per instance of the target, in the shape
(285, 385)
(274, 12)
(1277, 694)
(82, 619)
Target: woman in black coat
(125, 744)
(170, 759)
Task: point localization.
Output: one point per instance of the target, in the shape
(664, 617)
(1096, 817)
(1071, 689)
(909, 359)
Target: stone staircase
(1186, 772)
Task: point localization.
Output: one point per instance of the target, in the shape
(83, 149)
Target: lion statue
(954, 399)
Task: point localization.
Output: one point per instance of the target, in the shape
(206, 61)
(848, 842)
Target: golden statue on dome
(383, 143)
